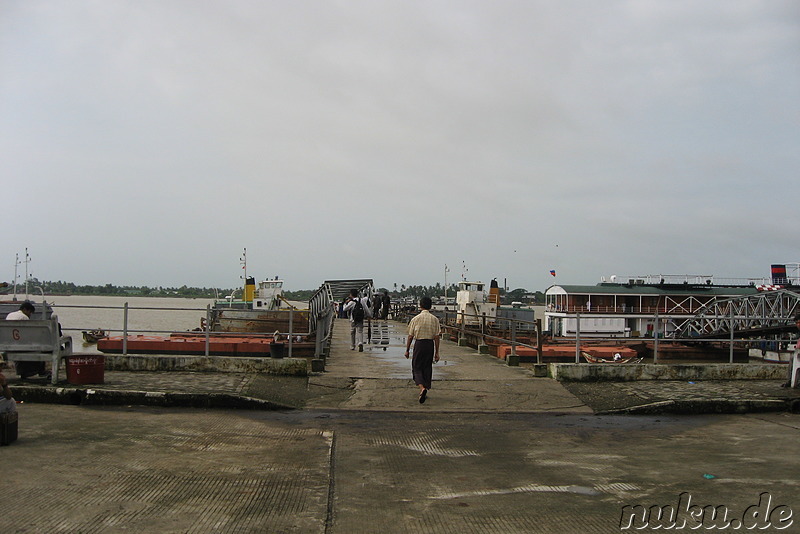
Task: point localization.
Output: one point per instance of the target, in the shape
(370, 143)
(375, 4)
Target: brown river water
(146, 315)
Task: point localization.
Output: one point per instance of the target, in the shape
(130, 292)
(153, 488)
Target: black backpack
(358, 311)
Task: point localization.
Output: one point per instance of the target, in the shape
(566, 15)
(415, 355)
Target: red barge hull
(195, 344)
(565, 353)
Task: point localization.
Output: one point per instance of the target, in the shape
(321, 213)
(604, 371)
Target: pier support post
(462, 339)
(655, 341)
(483, 348)
(125, 330)
(538, 341)
(514, 341)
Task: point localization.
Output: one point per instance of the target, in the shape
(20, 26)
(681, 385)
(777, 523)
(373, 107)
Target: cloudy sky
(149, 142)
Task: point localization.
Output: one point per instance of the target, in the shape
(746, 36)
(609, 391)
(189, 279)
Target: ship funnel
(779, 274)
(249, 289)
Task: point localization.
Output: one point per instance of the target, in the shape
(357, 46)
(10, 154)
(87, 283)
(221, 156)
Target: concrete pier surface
(494, 449)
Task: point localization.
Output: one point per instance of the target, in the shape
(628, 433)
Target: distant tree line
(70, 288)
(403, 291)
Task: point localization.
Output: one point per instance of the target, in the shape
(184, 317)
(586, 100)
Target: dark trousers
(422, 362)
(27, 369)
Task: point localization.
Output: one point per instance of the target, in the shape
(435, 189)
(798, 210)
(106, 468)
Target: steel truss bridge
(334, 291)
(761, 315)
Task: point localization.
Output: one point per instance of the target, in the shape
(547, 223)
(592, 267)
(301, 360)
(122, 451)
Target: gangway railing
(455, 322)
(322, 309)
(769, 311)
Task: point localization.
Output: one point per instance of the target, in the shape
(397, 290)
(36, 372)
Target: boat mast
(446, 270)
(16, 276)
(243, 261)
(27, 261)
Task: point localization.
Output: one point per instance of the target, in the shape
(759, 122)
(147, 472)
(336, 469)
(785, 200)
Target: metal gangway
(759, 315)
(322, 307)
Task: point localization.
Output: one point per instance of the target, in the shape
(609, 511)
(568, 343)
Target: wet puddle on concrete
(387, 343)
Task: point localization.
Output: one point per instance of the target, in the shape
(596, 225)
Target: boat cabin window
(468, 286)
(271, 284)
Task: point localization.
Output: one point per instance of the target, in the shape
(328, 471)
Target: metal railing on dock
(494, 329)
(507, 331)
(205, 330)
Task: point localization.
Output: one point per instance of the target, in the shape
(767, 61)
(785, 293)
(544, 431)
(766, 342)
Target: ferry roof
(643, 289)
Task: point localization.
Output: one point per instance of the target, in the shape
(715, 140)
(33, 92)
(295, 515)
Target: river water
(154, 315)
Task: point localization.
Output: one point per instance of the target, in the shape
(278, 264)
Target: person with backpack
(358, 309)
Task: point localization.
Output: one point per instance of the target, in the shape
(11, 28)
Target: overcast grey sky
(148, 142)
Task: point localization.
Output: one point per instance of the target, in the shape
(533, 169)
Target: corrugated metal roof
(624, 289)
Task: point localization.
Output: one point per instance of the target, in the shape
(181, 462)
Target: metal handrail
(324, 337)
(207, 332)
(627, 310)
(461, 329)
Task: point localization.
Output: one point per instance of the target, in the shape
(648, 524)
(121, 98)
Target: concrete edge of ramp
(708, 406)
(599, 372)
(107, 397)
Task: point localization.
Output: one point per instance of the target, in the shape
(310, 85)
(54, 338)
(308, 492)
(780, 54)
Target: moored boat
(617, 358)
(92, 336)
(566, 354)
(262, 309)
(772, 356)
(191, 343)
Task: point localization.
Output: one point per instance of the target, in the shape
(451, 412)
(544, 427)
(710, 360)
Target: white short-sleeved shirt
(424, 326)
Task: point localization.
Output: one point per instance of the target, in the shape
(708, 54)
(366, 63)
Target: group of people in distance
(423, 331)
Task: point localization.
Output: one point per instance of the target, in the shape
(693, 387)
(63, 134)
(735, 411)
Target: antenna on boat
(16, 265)
(446, 270)
(26, 262)
(243, 261)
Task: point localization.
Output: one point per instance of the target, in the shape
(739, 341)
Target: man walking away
(376, 305)
(387, 302)
(357, 309)
(425, 329)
